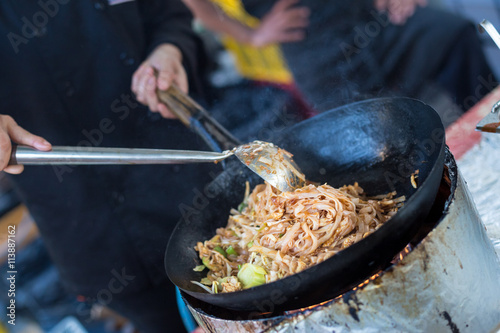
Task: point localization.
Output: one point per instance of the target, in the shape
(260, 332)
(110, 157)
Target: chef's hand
(284, 23)
(166, 59)
(11, 131)
(399, 10)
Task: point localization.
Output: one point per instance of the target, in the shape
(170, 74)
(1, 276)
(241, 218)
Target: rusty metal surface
(448, 283)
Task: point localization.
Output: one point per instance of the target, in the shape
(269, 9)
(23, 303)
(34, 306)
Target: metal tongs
(490, 123)
(270, 162)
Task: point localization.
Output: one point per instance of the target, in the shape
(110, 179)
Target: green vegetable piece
(207, 264)
(206, 281)
(231, 251)
(250, 244)
(242, 206)
(220, 250)
(199, 268)
(251, 276)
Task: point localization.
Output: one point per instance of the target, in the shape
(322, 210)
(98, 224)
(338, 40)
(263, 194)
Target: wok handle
(197, 118)
(61, 155)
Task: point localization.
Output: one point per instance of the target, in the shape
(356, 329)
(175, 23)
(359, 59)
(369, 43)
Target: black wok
(379, 143)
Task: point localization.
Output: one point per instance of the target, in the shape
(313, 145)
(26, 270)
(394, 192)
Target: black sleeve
(170, 21)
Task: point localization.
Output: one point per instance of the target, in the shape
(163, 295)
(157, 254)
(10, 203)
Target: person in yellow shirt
(254, 43)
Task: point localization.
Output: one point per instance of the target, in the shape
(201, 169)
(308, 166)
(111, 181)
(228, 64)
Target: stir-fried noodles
(275, 234)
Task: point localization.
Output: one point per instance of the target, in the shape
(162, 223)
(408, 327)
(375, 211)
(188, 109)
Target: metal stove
(449, 281)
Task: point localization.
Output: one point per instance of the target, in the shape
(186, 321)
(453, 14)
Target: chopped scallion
(242, 206)
(231, 251)
(221, 251)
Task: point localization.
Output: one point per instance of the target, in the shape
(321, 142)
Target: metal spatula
(271, 163)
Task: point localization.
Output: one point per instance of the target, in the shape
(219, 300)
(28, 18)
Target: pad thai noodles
(275, 234)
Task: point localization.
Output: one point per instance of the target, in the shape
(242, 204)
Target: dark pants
(465, 72)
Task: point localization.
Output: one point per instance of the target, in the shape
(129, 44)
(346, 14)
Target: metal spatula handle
(486, 25)
(94, 156)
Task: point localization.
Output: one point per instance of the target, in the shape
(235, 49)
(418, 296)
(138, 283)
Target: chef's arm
(10, 132)
(285, 22)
